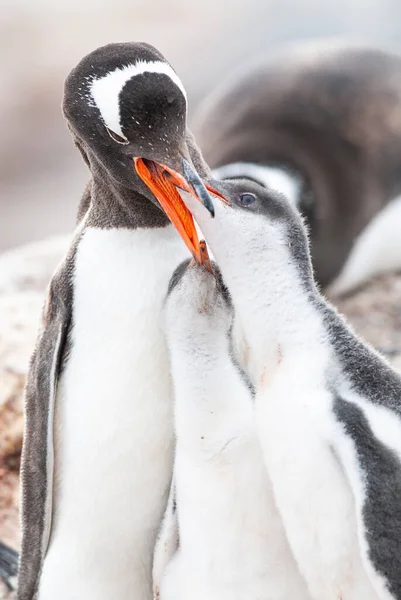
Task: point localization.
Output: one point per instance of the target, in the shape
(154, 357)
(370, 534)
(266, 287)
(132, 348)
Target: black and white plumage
(328, 407)
(98, 439)
(222, 537)
(321, 123)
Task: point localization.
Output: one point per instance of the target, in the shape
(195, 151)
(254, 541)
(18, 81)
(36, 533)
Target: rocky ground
(374, 311)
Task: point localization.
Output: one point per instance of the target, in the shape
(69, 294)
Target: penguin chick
(231, 540)
(328, 407)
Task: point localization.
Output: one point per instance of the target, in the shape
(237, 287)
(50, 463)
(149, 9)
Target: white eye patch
(105, 91)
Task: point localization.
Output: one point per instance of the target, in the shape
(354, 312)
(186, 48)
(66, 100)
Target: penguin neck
(277, 317)
(113, 205)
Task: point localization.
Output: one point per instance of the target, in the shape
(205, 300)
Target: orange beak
(205, 259)
(162, 182)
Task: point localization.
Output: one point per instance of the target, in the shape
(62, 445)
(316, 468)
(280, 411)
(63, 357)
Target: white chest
(113, 424)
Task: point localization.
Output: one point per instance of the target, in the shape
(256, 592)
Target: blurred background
(41, 174)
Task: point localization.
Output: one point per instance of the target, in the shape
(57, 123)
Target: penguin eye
(247, 199)
(117, 138)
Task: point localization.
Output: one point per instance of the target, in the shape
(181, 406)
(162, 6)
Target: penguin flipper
(167, 541)
(8, 565)
(373, 471)
(37, 451)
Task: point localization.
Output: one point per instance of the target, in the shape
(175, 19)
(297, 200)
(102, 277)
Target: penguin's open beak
(163, 181)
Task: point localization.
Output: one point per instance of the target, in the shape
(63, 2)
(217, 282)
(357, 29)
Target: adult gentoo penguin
(328, 407)
(320, 122)
(229, 540)
(97, 452)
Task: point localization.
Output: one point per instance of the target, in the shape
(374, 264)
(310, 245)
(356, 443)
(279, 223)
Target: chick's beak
(163, 183)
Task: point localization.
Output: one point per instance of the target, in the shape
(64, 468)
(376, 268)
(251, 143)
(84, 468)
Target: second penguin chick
(228, 537)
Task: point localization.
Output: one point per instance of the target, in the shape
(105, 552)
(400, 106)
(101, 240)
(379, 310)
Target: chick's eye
(117, 138)
(247, 199)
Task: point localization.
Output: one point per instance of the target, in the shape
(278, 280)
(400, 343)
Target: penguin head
(257, 237)
(125, 100)
(198, 305)
(127, 109)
